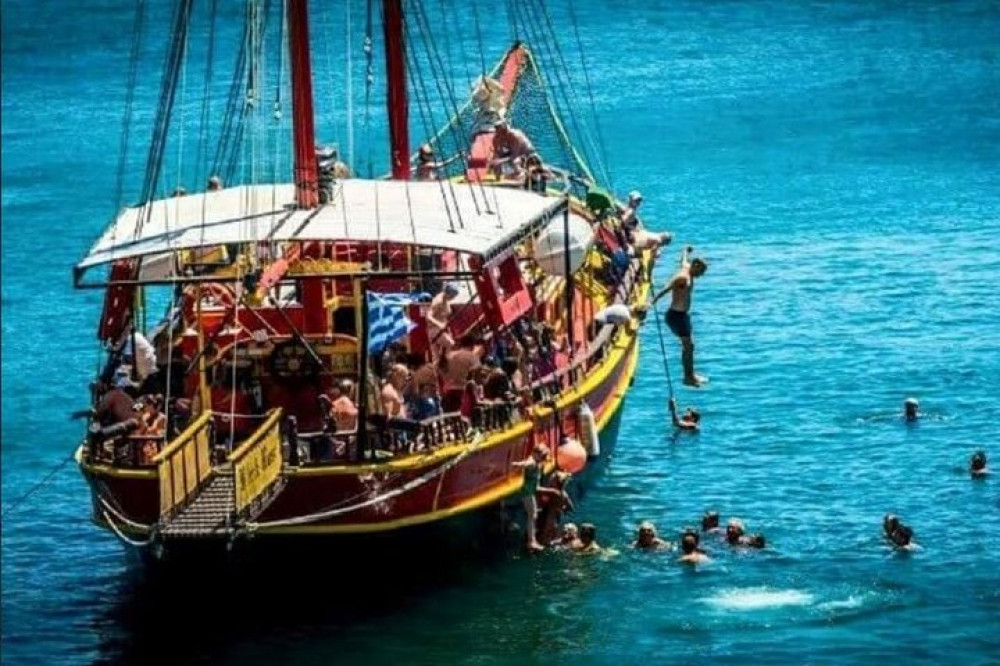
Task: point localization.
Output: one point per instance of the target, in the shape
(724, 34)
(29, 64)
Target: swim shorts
(679, 322)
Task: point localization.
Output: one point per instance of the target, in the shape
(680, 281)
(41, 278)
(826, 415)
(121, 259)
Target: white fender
(587, 427)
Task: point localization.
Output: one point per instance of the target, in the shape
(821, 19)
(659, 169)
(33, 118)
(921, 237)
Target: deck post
(569, 284)
(292, 435)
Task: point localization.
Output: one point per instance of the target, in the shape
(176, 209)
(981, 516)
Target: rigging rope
(369, 82)
(133, 69)
(31, 491)
(590, 95)
(663, 350)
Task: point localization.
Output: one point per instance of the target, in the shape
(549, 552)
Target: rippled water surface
(839, 166)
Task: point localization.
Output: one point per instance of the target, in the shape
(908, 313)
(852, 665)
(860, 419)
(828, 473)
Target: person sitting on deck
(532, 466)
(536, 176)
(977, 465)
(343, 411)
(214, 184)
(152, 420)
(647, 538)
(427, 168)
(438, 317)
(117, 405)
(510, 147)
(678, 316)
(689, 422)
(427, 404)
(392, 391)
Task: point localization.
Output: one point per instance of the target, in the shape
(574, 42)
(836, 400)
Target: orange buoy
(571, 456)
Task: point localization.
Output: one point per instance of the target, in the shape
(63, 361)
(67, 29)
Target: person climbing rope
(678, 316)
(689, 421)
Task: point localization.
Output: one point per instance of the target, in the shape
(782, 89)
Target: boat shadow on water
(192, 605)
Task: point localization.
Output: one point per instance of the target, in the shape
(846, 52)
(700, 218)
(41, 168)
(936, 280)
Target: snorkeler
(689, 546)
(689, 421)
(911, 410)
(977, 465)
(647, 539)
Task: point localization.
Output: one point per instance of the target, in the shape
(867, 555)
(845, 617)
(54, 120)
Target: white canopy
(467, 218)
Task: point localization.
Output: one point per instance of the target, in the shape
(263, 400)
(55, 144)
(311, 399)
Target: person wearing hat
(629, 214)
(911, 410)
(214, 184)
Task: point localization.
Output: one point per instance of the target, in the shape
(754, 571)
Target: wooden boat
(278, 292)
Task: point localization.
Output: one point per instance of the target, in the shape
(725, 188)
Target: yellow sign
(261, 465)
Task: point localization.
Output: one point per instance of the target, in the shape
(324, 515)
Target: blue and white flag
(387, 320)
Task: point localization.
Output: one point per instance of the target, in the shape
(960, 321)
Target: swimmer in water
(735, 532)
(692, 554)
(977, 465)
(710, 522)
(647, 538)
(911, 410)
(570, 538)
(756, 541)
(688, 422)
(889, 525)
(902, 538)
(588, 539)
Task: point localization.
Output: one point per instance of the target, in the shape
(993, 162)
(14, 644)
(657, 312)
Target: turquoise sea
(837, 163)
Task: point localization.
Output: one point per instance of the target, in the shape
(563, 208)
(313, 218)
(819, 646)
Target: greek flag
(387, 320)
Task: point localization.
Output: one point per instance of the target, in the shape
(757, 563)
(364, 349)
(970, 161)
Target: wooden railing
(184, 465)
(257, 463)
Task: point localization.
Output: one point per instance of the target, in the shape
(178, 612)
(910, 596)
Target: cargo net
(531, 109)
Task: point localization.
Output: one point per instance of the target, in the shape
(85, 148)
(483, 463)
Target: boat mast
(306, 177)
(395, 65)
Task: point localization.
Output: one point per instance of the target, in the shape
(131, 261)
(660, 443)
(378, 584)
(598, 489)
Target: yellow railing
(257, 462)
(184, 465)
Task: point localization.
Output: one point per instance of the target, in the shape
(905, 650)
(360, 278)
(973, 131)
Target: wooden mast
(306, 176)
(395, 64)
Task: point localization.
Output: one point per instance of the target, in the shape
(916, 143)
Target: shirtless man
(392, 392)
(678, 317)
(438, 317)
(510, 145)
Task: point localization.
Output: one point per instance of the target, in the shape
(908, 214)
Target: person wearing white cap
(911, 409)
(629, 214)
